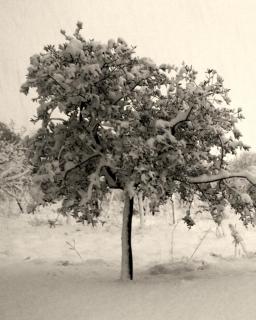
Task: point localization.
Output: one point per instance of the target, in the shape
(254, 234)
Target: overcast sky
(219, 34)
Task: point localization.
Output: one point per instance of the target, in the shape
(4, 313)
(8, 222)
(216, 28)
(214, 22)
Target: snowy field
(72, 271)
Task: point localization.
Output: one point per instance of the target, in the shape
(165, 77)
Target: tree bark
(127, 260)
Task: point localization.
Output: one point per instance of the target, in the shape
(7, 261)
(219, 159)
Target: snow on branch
(181, 116)
(223, 175)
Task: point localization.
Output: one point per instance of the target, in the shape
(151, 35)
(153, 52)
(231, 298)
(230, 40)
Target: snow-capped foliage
(245, 198)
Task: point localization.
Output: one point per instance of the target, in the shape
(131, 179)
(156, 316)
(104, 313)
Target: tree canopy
(112, 118)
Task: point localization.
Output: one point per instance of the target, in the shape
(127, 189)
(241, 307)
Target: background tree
(14, 169)
(110, 119)
(7, 133)
(242, 189)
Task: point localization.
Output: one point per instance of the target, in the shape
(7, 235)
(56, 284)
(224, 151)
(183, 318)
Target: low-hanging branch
(223, 175)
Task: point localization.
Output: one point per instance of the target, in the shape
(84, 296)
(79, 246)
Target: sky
(217, 34)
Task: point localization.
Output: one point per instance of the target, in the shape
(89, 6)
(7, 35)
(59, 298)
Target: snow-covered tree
(110, 119)
(14, 169)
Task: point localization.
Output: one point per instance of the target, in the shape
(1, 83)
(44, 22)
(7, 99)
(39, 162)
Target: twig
(199, 244)
(52, 222)
(73, 247)
(173, 211)
(237, 240)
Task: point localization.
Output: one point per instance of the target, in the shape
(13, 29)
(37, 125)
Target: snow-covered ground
(43, 277)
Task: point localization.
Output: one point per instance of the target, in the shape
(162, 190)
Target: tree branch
(16, 176)
(57, 119)
(131, 89)
(9, 193)
(62, 87)
(111, 178)
(59, 154)
(223, 175)
(94, 179)
(231, 188)
(182, 116)
(81, 164)
(222, 152)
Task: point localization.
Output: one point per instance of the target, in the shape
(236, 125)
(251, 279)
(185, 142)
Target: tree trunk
(127, 261)
(141, 210)
(110, 204)
(173, 211)
(146, 206)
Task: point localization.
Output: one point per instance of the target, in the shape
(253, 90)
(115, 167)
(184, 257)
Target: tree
(110, 119)
(242, 189)
(14, 169)
(8, 134)
(243, 161)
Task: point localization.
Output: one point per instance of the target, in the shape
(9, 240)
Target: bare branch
(9, 193)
